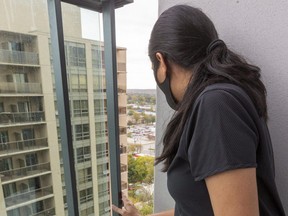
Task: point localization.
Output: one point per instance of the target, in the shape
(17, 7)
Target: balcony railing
(24, 171)
(21, 117)
(23, 145)
(46, 212)
(103, 193)
(87, 198)
(20, 88)
(85, 179)
(83, 158)
(102, 154)
(19, 57)
(22, 197)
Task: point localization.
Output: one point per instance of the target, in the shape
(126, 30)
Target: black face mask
(165, 88)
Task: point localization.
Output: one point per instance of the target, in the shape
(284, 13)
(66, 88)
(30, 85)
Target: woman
(217, 150)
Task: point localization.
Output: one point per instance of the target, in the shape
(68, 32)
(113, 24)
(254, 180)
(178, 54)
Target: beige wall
(32, 16)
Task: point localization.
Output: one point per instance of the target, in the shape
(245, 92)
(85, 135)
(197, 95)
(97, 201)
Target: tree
(131, 112)
(146, 210)
(146, 118)
(136, 117)
(140, 169)
(152, 118)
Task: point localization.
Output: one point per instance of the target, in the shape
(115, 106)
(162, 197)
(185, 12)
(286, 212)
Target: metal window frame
(107, 7)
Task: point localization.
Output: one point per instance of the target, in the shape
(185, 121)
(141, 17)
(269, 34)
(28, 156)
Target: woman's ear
(162, 69)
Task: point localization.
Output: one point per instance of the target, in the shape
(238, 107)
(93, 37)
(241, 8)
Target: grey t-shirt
(223, 132)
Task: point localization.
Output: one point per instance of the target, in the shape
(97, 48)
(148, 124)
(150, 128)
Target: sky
(134, 23)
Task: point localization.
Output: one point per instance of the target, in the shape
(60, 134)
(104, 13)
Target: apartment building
(31, 171)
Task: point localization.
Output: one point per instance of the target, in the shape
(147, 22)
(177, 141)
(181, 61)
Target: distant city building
(31, 171)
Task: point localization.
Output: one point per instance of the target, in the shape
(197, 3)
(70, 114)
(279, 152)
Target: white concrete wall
(257, 30)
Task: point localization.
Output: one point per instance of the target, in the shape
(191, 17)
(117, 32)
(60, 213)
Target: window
(28, 137)
(2, 107)
(9, 189)
(80, 108)
(75, 54)
(101, 130)
(103, 189)
(38, 207)
(4, 139)
(34, 183)
(85, 175)
(103, 170)
(31, 159)
(97, 58)
(86, 195)
(13, 46)
(104, 207)
(82, 132)
(102, 150)
(6, 164)
(83, 154)
(20, 78)
(88, 211)
(100, 107)
(99, 83)
(78, 82)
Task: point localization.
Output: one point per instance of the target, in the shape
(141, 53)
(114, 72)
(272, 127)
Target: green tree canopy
(140, 169)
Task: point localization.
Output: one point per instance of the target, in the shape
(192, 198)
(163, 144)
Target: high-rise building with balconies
(31, 171)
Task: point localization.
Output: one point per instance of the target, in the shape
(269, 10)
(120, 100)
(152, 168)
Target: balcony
(18, 57)
(122, 130)
(123, 150)
(46, 212)
(100, 111)
(124, 168)
(102, 154)
(23, 145)
(20, 88)
(122, 110)
(24, 171)
(21, 117)
(22, 197)
(85, 179)
(122, 89)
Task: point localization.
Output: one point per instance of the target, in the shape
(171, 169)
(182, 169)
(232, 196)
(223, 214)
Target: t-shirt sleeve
(224, 135)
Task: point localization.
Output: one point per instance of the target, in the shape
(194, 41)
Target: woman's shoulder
(220, 95)
(218, 88)
(224, 92)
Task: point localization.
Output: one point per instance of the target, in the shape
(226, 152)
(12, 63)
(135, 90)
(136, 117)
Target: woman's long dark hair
(182, 34)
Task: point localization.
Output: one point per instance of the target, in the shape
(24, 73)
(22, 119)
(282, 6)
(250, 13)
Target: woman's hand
(128, 209)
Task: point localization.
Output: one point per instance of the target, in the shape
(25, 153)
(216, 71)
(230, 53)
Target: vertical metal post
(112, 99)
(62, 93)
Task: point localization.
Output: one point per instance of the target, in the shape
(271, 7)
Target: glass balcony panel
(20, 88)
(47, 212)
(18, 57)
(24, 171)
(22, 197)
(21, 117)
(23, 145)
